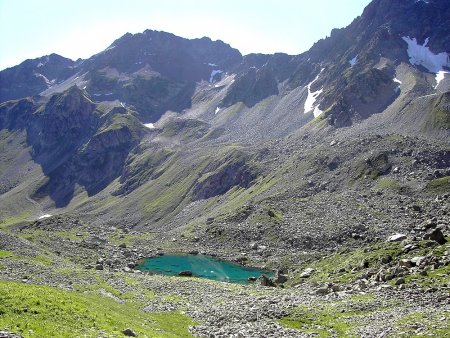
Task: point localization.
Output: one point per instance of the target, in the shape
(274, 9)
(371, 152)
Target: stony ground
(387, 288)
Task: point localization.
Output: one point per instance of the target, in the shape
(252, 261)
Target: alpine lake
(203, 267)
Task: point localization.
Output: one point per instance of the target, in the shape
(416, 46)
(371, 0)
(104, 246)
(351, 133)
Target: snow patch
(353, 61)
(214, 73)
(149, 125)
(45, 216)
(212, 64)
(122, 104)
(109, 48)
(310, 103)
(47, 82)
(422, 55)
(440, 75)
(399, 83)
(217, 110)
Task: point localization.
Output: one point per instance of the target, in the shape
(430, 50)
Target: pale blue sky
(81, 28)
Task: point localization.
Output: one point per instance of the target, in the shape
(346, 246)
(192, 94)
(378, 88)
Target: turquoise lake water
(202, 266)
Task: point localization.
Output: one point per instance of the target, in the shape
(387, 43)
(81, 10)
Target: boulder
(364, 264)
(363, 284)
(99, 267)
(335, 288)
(386, 259)
(431, 223)
(400, 281)
(388, 277)
(396, 238)
(186, 273)
(265, 281)
(405, 262)
(417, 260)
(254, 246)
(408, 247)
(280, 278)
(7, 334)
(129, 332)
(322, 291)
(307, 273)
(417, 208)
(399, 271)
(384, 287)
(435, 235)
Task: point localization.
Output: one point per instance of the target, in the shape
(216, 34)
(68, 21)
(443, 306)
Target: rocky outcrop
(73, 141)
(376, 165)
(252, 87)
(103, 157)
(234, 171)
(16, 114)
(63, 123)
(96, 161)
(141, 166)
(152, 97)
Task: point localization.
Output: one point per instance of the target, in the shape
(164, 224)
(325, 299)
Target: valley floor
(90, 286)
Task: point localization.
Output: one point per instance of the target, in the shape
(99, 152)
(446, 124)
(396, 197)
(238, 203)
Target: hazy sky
(81, 28)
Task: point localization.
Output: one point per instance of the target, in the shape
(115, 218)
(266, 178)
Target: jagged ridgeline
(304, 163)
(131, 116)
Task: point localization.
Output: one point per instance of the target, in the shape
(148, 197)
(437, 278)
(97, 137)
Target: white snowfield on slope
(310, 102)
(421, 55)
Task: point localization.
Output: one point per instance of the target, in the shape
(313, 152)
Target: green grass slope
(42, 311)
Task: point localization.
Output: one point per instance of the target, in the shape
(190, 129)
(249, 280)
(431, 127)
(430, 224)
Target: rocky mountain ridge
(157, 71)
(89, 126)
